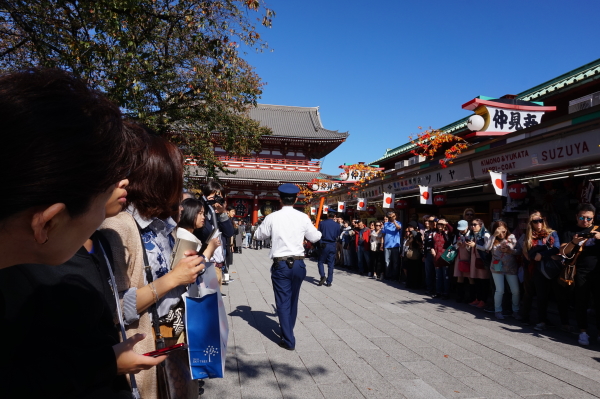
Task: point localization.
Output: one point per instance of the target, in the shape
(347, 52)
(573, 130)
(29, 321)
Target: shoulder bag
(173, 375)
(450, 254)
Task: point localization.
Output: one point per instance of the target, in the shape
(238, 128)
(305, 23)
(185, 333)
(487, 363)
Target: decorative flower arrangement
(430, 141)
(306, 192)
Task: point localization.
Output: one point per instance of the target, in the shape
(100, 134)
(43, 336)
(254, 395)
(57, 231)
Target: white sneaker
(584, 339)
(499, 315)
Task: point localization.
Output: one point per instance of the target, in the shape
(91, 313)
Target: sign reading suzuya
(500, 116)
(575, 149)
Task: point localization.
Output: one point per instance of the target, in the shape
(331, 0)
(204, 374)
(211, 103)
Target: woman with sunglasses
(539, 242)
(504, 266)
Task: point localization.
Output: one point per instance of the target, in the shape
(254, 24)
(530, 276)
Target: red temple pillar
(255, 210)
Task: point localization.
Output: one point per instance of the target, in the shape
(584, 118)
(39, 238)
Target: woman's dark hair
(62, 142)
(191, 208)
(156, 182)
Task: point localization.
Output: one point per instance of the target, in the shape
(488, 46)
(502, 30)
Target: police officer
(330, 231)
(287, 229)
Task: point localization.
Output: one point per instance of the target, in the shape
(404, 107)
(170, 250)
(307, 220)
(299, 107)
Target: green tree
(174, 65)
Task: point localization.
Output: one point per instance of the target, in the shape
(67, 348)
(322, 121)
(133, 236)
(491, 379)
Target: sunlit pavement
(365, 338)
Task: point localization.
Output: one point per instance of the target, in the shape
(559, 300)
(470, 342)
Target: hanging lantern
(401, 204)
(371, 210)
(517, 191)
(350, 211)
(439, 200)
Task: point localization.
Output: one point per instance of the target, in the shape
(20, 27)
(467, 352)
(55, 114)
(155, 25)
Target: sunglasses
(584, 218)
(377, 225)
(537, 221)
(475, 225)
(469, 214)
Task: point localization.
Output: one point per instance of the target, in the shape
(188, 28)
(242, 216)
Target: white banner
(388, 200)
(313, 210)
(341, 207)
(361, 204)
(499, 183)
(426, 197)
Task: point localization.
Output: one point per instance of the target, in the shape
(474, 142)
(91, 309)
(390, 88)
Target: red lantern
(517, 191)
(371, 210)
(350, 211)
(439, 200)
(401, 204)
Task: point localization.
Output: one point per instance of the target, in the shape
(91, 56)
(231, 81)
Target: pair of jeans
(363, 258)
(248, 240)
(587, 284)
(513, 282)
(392, 256)
(442, 281)
(430, 273)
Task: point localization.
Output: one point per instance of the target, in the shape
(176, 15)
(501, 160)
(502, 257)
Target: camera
(217, 199)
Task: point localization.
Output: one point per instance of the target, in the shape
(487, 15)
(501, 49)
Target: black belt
(280, 258)
(287, 259)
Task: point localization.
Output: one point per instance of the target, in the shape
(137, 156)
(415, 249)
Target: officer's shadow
(265, 323)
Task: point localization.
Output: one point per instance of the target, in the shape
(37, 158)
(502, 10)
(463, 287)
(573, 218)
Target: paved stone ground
(367, 339)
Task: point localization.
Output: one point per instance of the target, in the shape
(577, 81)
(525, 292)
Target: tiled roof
(276, 176)
(299, 122)
(576, 77)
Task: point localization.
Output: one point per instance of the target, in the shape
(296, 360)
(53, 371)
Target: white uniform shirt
(287, 229)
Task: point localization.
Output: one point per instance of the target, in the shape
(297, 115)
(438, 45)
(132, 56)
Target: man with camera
(581, 244)
(287, 229)
(216, 218)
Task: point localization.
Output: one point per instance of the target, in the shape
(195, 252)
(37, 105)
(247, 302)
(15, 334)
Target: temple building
(289, 155)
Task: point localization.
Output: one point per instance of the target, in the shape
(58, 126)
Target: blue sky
(381, 69)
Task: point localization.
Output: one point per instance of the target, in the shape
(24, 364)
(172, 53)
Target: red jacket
(366, 244)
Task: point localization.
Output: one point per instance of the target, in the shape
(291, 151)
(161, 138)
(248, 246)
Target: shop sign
(441, 177)
(564, 151)
(324, 185)
(371, 192)
(509, 120)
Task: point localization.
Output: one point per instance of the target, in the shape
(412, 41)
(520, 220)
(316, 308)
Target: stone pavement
(362, 338)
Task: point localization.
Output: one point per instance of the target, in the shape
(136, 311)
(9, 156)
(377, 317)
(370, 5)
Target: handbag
(411, 253)
(450, 254)
(464, 266)
(207, 328)
(173, 375)
(551, 267)
(497, 265)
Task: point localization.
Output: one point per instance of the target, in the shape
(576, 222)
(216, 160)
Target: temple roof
(297, 122)
(265, 175)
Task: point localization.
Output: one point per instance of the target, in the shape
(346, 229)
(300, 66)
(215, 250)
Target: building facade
(289, 155)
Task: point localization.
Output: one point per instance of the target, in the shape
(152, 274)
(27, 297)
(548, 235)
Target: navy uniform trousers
(327, 256)
(286, 286)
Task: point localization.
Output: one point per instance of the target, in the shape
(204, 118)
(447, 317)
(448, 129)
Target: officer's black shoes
(285, 346)
(322, 280)
(328, 285)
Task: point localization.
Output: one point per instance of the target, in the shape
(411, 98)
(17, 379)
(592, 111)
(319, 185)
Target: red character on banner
(517, 191)
(439, 200)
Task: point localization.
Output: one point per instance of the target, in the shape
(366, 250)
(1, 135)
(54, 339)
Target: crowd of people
(490, 268)
(91, 212)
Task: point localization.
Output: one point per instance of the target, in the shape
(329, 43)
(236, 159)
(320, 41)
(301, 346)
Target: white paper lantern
(475, 123)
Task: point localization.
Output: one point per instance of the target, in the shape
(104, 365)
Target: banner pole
(321, 203)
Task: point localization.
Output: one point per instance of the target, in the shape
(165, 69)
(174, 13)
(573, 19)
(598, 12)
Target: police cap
(288, 189)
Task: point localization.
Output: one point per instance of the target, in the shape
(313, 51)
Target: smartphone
(587, 235)
(167, 350)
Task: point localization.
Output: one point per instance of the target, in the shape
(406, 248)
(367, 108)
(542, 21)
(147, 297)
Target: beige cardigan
(124, 238)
